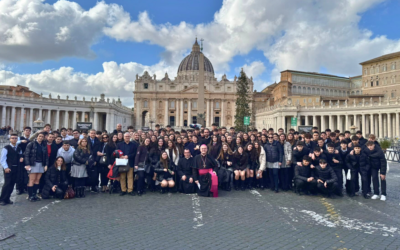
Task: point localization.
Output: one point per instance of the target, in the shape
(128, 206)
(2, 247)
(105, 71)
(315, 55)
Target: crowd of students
(44, 165)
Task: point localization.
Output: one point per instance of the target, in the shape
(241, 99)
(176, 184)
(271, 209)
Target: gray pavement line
(26, 219)
(198, 216)
(260, 200)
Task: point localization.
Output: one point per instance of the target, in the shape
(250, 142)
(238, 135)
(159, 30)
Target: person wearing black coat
(185, 173)
(56, 182)
(358, 164)
(54, 147)
(36, 162)
(153, 157)
(304, 177)
(22, 174)
(214, 148)
(362, 140)
(140, 167)
(240, 164)
(165, 172)
(109, 149)
(298, 153)
(252, 164)
(378, 169)
(226, 163)
(194, 146)
(103, 162)
(80, 161)
(129, 149)
(343, 151)
(274, 154)
(326, 178)
(335, 162)
(95, 148)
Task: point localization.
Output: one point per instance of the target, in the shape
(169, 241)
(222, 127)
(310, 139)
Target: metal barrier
(393, 154)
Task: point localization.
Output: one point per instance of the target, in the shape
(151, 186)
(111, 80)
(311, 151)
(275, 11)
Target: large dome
(191, 62)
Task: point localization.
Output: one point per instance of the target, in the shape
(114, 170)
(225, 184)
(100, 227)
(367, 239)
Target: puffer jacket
(154, 156)
(326, 175)
(357, 162)
(377, 159)
(273, 152)
(80, 157)
(241, 161)
(54, 177)
(302, 172)
(30, 154)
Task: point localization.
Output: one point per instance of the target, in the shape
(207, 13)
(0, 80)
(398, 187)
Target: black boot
(30, 194)
(250, 186)
(35, 189)
(83, 192)
(243, 183)
(228, 186)
(236, 184)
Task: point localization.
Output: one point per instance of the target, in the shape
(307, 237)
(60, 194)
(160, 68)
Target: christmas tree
(242, 101)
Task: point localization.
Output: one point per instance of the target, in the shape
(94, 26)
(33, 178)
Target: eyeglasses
(269, 137)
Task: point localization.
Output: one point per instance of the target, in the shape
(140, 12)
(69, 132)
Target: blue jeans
(274, 178)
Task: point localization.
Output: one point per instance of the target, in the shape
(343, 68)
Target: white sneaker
(375, 197)
(383, 197)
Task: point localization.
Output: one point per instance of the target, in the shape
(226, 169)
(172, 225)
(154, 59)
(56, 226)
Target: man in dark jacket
(74, 141)
(185, 170)
(298, 153)
(378, 165)
(22, 175)
(274, 155)
(358, 164)
(326, 178)
(93, 172)
(118, 129)
(129, 149)
(335, 162)
(303, 177)
(343, 151)
(362, 140)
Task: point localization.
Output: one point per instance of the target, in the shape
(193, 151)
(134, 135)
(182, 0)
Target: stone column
(66, 119)
(314, 121)
(389, 124)
(21, 123)
(138, 115)
(363, 125)
(372, 124)
(49, 116)
(154, 115)
(338, 123)
(211, 112)
(284, 123)
(380, 126)
(57, 120)
(40, 114)
(306, 120)
(222, 119)
(112, 121)
(330, 122)
(397, 132)
(208, 114)
(74, 120)
(181, 113)
(322, 123)
(96, 120)
(3, 116)
(83, 116)
(384, 123)
(347, 122)
(189, 120)
(13, 118)
(166, 112)
(367, 125)
(31, 117)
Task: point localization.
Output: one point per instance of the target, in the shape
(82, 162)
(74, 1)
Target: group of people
(44, 165)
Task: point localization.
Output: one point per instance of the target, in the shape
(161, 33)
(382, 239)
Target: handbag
(103, 160)
(69, 194)
(122, 165)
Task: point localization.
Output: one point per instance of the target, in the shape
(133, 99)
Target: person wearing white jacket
(262, 164)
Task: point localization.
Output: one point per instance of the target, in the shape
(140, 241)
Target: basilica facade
(174, 101)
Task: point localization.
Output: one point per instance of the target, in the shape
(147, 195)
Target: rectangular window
(372, 84)
(172, 87)
(146, 86)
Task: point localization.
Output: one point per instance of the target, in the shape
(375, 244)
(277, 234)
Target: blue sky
(261, 53)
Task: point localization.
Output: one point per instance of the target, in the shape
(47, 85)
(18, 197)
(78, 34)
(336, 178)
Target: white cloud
(255, 69)
(116, 80)
(300, 35)
(31, 30)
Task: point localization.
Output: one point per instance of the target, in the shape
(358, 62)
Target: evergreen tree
(242, 101)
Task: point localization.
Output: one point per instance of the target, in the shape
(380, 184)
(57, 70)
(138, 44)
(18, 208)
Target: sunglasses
(269, 137)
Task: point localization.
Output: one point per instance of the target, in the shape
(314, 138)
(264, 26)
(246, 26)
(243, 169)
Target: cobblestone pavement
(235, 220)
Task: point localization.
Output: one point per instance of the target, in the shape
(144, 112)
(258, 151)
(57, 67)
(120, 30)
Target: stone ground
(235, 220)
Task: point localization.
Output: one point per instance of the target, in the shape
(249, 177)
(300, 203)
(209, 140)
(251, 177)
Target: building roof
(191, 62)
(382, 58)
(315, 73)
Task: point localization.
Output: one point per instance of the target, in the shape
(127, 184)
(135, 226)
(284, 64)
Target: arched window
(294, 89)
(308, 90)
(146, 86)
